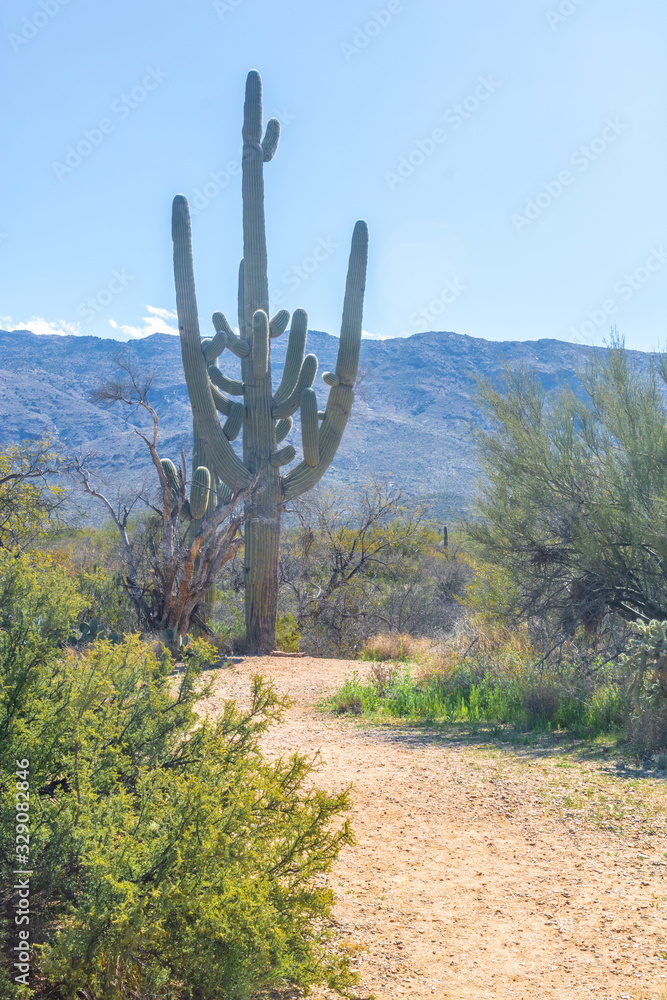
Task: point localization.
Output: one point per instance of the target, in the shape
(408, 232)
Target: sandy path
(470, 879)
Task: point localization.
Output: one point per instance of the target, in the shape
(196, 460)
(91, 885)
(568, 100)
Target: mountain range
(411, 420)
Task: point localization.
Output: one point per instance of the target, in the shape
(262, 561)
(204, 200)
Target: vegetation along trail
(481, 869)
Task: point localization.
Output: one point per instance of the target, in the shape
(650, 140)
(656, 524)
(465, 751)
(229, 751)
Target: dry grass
(475, 639)
(481, 643)
(386, 647)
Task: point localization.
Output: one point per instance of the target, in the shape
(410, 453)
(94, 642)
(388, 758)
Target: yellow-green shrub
(170, 859)
(288, 635)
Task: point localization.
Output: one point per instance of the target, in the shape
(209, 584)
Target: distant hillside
(411, 420)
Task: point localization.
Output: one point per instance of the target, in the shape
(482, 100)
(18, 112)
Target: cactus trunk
(266, 418)
(262, 507)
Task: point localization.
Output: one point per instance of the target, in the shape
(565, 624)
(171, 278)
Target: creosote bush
(169, 858)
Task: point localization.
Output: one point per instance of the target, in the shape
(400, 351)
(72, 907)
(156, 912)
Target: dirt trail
(469, 880)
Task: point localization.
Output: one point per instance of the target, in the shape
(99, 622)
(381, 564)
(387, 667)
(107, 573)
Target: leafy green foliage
(29, 494)
(170, 859)
(575, 494)
(95, 559)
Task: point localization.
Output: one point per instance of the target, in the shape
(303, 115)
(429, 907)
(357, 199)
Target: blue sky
(510, 159)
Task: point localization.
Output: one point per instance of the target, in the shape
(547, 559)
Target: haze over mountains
(411, 420)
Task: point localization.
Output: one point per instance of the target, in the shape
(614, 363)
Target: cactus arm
(219, 451)
(304, 477)
(170, 472)
(284, 456)
(310, 429)
(283, 427)
(347, 362)
(331, 379)
(271, 139)
(222, 404)
(304, 381)
(341, 396)
(260, 344)
(237, 346)
(234, 422)
(296, 345)
(241, 348)
(200, 492)
(278, 324)
(203, 486)
(214, 346)
(230, 385)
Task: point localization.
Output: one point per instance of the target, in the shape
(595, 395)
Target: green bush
(288, 635)
(170, 859)
(95, 560)
(571, 503)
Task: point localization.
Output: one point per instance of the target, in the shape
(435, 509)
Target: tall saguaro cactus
(264, 416)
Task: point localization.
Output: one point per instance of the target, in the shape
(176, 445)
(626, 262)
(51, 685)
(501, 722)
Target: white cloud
(366, 335)
(41, 326)
(155, 322)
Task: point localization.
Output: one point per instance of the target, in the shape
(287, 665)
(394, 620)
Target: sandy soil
(481, 870)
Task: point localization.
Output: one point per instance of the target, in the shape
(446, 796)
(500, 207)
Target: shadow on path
(521, 746)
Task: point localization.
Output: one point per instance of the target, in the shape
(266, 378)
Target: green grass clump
(499, 684)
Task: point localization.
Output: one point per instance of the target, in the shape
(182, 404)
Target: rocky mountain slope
(411, 420)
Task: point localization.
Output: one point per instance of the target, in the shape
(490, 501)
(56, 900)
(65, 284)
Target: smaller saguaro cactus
(264, 416)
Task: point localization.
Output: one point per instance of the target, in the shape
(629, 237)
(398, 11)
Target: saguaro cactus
(264, 416)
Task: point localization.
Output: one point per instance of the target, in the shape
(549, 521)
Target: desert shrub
(353, 566)
(94, 558)
(571, 505)
(288, 635)
(491, 596)
(169, 858)
(30, 497)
